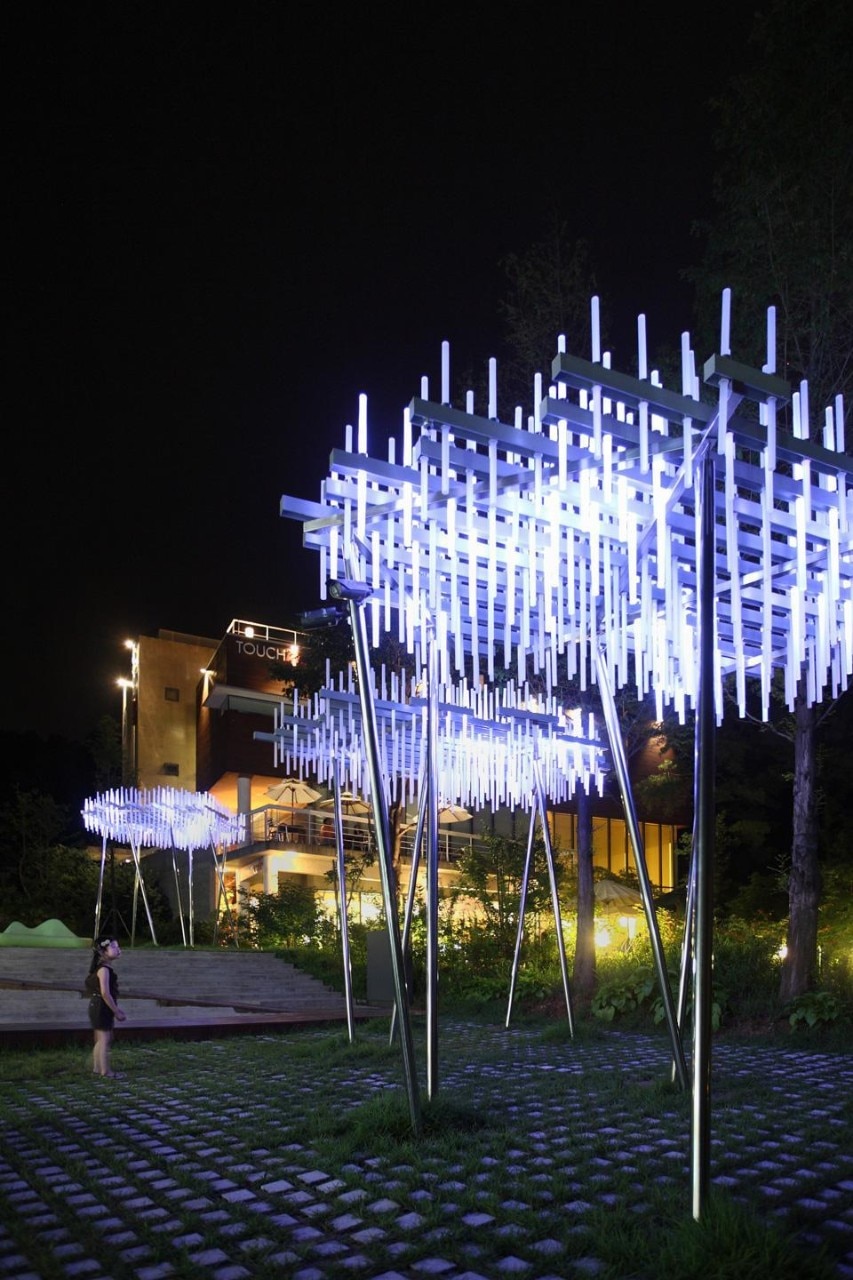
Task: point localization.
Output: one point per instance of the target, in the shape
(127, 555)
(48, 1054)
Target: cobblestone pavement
(193, 1171)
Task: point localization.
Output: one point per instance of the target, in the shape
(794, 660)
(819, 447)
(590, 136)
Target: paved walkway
(187, 1172)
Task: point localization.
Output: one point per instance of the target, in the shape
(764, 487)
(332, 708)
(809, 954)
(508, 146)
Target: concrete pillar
(244, 794)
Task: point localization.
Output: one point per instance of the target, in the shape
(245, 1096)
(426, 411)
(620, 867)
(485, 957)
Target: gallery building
(192, 710)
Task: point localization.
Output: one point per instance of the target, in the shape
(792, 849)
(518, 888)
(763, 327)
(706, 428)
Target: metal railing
(313, 830)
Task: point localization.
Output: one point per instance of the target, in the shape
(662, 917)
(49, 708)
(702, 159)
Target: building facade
(192, 709)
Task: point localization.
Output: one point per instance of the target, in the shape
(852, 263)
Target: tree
(782, 234)
(491, 872)
(550, 286)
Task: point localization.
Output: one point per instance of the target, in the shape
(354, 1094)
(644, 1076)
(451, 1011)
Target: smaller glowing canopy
(487, 740)
(162, 818)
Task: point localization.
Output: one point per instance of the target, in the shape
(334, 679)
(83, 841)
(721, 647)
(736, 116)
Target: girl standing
(102, 982)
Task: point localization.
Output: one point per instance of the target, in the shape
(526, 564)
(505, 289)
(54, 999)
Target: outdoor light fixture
(345, 589)
(316, 618)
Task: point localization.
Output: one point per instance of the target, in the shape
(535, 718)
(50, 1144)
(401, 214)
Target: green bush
(815, 1008)
(284, 919)
(622, 994)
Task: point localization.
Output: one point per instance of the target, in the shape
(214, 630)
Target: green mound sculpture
(50, 933)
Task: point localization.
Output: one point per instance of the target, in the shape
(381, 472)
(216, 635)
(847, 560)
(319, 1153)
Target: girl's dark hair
(101, 944)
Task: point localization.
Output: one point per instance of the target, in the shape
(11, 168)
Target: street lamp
(129, 689)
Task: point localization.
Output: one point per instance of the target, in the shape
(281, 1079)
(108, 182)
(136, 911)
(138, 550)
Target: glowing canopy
(487, 741)
(577, 527)
(163, 818)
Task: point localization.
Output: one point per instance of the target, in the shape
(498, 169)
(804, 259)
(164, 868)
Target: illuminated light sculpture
(623, 533)
(163, 818)
(491, 746)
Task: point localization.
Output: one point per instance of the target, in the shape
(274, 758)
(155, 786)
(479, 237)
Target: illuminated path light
(163, 818)
(622, 533)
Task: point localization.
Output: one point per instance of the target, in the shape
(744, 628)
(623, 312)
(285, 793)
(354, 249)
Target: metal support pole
(522, 904)
(686, 969)
(413, 881)
(342, 894)
(221, 895)
(178, 896)
(100, 890)
(139, 883)
(432, 866)
(190, 895)
(555, 901)
(383, 840)
(703, 853)
(620, 762)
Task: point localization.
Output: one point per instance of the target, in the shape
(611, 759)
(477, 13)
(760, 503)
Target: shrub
(622, 994)
(814, 1008)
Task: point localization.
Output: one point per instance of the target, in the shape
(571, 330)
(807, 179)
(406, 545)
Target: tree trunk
(583, 974)
(799, 968)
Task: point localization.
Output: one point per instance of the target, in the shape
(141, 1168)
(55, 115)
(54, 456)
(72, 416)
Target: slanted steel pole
(432, 866)
(383, 840)
(342, 899)
(703, 853)
(620, 763)
(522, 904)
(555, 900)
(97, 932)
(178, 895)
(413, 881)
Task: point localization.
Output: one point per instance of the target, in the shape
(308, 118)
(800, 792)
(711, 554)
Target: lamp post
(129, 688)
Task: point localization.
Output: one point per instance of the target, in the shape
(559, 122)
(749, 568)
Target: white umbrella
(350, 804)
(615, 896)
(453, 813)
(447, 813)
(293, 791)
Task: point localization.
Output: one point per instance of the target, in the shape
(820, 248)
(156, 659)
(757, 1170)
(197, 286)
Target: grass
(556, 1151)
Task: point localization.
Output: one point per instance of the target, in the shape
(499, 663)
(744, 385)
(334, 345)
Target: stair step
(40, 983)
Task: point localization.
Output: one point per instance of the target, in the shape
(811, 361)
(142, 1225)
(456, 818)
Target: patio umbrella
(612, 895)
(293, 791)
(453, 813)
(447, 813)
(351, 805)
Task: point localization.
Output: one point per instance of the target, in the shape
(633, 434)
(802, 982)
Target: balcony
(312, 831)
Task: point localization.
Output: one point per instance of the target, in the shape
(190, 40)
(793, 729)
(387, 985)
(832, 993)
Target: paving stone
(383, 1206)
(187, 1241)
(548, 1246)
(284, 1258)
(370, 1235)
(329, 1248)
(345, 1222)
(208, 1257)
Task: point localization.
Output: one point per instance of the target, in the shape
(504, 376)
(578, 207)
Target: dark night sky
(224, 222)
